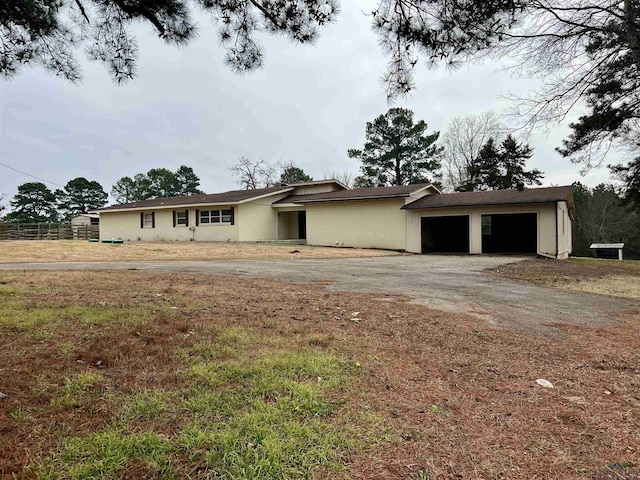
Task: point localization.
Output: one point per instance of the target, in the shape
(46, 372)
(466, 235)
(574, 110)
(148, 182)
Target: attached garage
(447, 234)
(518, 221)
(510, 233)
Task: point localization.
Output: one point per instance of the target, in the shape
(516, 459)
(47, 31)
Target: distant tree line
(35, 202)
(603, 216)
(156, 183)
(473, 155)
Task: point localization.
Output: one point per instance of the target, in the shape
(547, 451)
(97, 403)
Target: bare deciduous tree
(463, 140)
(252, 174)
(346, 177)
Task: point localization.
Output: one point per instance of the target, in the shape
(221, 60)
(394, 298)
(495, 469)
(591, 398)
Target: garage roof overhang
(356, 194)
(495, 197)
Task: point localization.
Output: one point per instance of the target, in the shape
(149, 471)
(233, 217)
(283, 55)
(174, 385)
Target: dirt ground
(453, 398)
(606, 277)
(80, 251)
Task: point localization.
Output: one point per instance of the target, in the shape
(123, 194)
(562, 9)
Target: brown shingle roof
(355, 194)
(494, 197)
(232, 196)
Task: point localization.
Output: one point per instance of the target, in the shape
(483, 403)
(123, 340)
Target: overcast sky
(308, 105)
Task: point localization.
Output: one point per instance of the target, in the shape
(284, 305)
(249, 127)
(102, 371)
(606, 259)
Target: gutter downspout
(557, 246)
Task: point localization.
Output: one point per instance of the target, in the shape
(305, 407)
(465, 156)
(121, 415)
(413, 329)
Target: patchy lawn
(218, 377)
(80, 251)
(606, 277)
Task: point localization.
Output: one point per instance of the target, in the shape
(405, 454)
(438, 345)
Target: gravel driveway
(450, 283)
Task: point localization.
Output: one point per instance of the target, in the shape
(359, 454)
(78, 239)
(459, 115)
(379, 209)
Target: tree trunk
(633, 39)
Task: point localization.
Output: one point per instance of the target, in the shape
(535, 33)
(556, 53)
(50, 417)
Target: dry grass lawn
(605, 277)
(81, 251)
(135, 375)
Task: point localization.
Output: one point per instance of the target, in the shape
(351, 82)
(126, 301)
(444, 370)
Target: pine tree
(187, 181)
(293, 174)
(33, 203)
(79, 196)
(501, 167)
(398, 151)
(156, 183)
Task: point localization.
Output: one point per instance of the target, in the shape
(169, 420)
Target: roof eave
(166, 207)
(251, 199)
(200, 204)
(319, 182)
(285, 205)
(346, 199)
(409, 207)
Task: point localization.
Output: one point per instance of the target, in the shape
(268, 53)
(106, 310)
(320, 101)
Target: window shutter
(197, 217)
(233, 216)
(174, 219)
(186, 214)
(141, 219)
(153, 219)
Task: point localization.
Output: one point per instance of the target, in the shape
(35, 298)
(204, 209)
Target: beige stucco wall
(126, 225)
(257, 220)
(311, 189)
(254, 220)
(365, 224)
(546, 217)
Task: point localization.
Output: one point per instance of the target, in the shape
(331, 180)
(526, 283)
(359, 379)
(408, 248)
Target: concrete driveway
(450, 283)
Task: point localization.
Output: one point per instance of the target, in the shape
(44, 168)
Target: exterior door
(302, 225)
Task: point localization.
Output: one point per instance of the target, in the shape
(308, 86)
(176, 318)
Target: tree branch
(82, 10)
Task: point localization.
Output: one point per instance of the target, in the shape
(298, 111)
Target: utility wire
(32, 176)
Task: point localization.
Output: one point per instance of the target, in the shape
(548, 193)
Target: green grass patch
(145, 405)
(108, 454)
(79, 389)
(202, 397)
(8, 290)
(19, 414)
(25, 318)
(266, 415)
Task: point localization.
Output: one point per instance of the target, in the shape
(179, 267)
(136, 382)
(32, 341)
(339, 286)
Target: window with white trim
(217, 217)
(181, 218)
(147, 220)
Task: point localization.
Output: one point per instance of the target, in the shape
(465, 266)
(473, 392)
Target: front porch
(292, 226)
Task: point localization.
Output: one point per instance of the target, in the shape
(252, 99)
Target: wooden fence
(47, 231)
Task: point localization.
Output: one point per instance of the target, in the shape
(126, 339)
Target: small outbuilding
(86, 226)
(607, 250)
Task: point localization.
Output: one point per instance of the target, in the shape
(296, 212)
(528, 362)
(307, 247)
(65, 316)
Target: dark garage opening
(445, 234)
(510, 233)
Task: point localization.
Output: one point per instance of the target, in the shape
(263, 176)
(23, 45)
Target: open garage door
(445, 234)
(510, 233)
